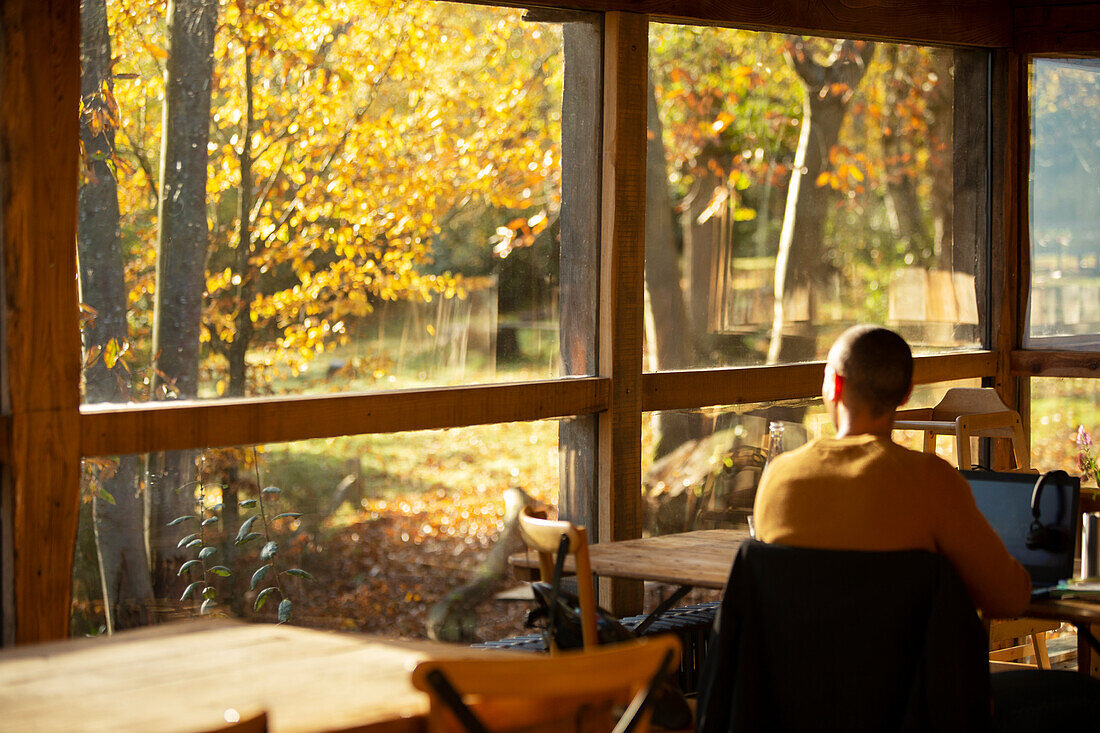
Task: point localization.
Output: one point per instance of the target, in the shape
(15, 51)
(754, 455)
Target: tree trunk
(118, 509)
(181, 258)
(246, 291)
(671, 340)
(800, 265)
(702, 245)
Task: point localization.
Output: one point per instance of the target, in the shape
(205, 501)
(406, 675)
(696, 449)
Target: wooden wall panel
(38, 156)
(952, 22)
(112, 429)
(622, 282)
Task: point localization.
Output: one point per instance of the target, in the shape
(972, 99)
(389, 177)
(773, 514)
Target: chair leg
(1019, 446)
(962, 449)
(1039, 644)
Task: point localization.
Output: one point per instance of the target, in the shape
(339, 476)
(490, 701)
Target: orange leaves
(849, 173)
(519, 232)
(155, 50)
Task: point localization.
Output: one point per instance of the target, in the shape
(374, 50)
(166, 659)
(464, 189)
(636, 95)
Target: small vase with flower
(1090, 471)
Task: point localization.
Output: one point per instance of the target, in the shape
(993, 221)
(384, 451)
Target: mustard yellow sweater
(865, 492)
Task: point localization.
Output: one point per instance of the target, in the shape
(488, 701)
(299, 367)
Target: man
(862, 491)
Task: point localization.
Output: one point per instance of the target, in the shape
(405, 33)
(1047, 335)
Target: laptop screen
(1005, 500)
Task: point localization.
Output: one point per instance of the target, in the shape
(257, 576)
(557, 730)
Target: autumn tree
(117, 500)
(725, 105)
(829, 88)
(182, 240)
(325, 209)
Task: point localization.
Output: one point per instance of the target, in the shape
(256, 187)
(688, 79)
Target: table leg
(1088, 650)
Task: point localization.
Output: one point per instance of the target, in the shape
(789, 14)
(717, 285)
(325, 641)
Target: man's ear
(833, 386)
(907, 396)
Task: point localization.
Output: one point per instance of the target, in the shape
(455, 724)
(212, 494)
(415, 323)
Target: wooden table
(701, 558)
(185, 676)
(1085, 615)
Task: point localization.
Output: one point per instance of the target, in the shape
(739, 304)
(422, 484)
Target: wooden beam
(1056, 364)
(158, 426)
(1058, 28)
(746, 385)
(40, 79)
(622, 283)
(953, 22)
(934, 368)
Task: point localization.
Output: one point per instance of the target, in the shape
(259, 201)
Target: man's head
(870, 370)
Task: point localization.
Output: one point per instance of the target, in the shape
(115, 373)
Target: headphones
(1041, 536)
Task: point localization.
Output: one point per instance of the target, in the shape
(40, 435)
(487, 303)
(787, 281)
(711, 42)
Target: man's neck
(859, 422)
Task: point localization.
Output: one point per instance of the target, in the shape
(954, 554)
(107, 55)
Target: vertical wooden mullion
(1009, 92)
(622, 283)
(1021, 115)
(39, 134)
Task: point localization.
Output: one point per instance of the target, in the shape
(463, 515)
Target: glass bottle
(775, 440)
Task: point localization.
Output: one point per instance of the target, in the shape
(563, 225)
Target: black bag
(557, 614)
(563, 626)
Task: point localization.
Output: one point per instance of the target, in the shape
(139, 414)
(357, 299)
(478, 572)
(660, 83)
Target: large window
(280, 201)
(355, 533)
(804, 185)
(1064, 304)
(325, 197)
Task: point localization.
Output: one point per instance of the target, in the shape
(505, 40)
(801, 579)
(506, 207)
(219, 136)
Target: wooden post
(1010, 241)
(579, 257)
(38, 143)
(626, 40)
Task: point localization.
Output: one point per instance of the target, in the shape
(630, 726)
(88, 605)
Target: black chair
(831, 640)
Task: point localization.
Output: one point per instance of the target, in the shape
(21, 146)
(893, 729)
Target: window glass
(798, 185)
(706, 474)
(369, 532)
(1064, 305)
(1060, 408)
(324, 197)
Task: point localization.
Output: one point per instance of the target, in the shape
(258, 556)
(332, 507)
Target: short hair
(877, 367)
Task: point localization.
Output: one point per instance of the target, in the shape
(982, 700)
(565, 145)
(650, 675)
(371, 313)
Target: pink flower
(1084, 440)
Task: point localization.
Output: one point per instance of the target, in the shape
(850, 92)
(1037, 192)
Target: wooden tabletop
(701, 558)
(1074, 611)
(185, 676)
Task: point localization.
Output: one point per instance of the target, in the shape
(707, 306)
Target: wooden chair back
(574, 690)
(544, 537)
(964, 412)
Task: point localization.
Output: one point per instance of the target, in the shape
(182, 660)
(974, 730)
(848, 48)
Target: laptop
(1005, 500)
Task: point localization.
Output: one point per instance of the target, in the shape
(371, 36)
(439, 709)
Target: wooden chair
(966, 412)
(571, 691)
(544, 536)
(1011, 630)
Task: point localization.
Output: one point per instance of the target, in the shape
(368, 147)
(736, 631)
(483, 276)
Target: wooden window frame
(45, 432)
